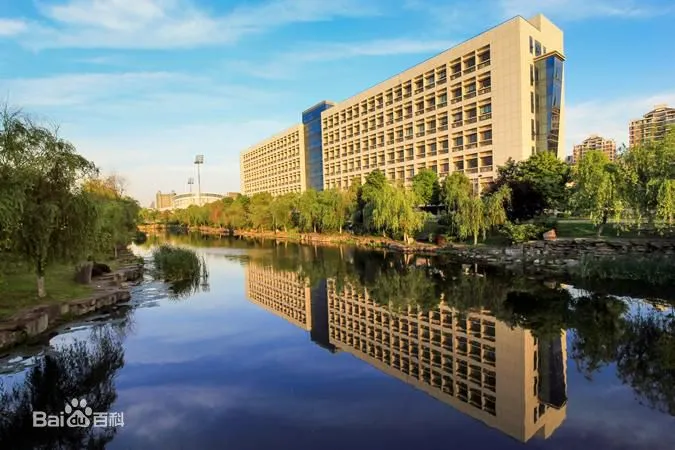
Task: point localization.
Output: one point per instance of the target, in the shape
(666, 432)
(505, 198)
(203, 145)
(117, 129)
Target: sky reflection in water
(236, 367)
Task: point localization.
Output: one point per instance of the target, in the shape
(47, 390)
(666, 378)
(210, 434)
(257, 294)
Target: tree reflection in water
(82, 370)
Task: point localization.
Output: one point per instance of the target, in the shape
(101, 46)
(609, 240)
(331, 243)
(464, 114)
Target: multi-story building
(290, 161)
(496, 96)
(594, 142)
(164, 202)
(652, 126)
(276, 165)
(311, 119)
(502, 376)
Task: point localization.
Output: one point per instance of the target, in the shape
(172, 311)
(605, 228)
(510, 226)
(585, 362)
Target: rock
(99, 269)
(550, 235)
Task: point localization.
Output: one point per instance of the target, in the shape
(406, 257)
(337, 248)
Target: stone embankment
(109, 289)
(563, 255)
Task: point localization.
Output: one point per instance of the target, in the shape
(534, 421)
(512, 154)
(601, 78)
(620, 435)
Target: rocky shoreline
(109, 289)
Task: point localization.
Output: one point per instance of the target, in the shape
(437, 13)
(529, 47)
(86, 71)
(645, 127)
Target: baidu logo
(77, 414)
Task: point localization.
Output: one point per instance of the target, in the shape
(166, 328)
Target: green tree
(309, 211)
(595, 192)
(259, 211)
(58, 219)
(335, 209)
(426, 187)
(643, 170)
(537, 184)
(665, 210)
(236, 216)
(282, 208)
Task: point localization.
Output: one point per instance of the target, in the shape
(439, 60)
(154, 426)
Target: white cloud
(584, 9)
(12, 27)
(610, 119)
(164, 24)
(287, 64)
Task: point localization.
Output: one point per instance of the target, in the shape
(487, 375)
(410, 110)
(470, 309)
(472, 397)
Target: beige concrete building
(500, 375)
(496, 96)
(276, 165)
(653, 125)
(594, 142)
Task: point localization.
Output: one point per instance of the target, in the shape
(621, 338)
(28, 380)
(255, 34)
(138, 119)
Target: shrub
(177, 264)
(521, 233)
(545, 222)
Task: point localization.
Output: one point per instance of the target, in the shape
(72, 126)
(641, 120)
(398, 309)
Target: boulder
(550, 235)
(99, 269)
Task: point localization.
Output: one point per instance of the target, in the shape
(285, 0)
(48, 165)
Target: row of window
(468, 90)
(465, 65)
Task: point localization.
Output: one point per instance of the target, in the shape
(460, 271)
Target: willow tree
(335, 209)
(595, 189)
(282, 208)
(58, 219)
(665, 209)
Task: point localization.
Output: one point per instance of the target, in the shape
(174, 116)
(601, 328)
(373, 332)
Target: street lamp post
(199, 160)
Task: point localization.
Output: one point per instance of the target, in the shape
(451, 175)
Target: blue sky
(141, 86)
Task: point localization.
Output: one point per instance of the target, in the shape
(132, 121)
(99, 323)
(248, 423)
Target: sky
(142, 86)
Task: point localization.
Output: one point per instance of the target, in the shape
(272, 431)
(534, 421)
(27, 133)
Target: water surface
(288, 346)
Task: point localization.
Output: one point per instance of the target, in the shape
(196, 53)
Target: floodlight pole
(191, 181)
(199, 160)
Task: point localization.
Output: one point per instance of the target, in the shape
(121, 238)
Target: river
(288, 346)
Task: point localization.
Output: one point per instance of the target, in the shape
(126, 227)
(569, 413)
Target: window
(532, 102)
(537, 48)
(472, 138)
(531, 45)
(486, 135)
(531, 75)
(459, 140)
(486, 109)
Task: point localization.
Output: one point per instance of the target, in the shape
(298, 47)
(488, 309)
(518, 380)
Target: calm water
(307, 348)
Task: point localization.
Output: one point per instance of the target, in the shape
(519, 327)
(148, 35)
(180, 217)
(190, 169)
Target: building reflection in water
(503, 376)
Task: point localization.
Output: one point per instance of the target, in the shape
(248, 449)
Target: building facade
(168, 202)
(652, 126)
(276, 165)
(503, 376)
(311, 120)
(594, 142)
(496, 96)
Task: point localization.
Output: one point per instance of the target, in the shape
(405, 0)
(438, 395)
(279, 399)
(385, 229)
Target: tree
(282, 208)
(309, 211)
(643, 170)
(235, 215)
(58, 219)
(665, 210)
(595, 192)
(259, 211)
(495, 208)
(537, 184)
(335, 207)
(426, 187)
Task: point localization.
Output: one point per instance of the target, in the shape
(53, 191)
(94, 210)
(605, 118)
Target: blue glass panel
(549, 96)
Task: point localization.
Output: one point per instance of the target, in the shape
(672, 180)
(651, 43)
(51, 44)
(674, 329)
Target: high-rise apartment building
(496, 96)
(652, 126)
(594, 142)
(276, 165)
(503, 376)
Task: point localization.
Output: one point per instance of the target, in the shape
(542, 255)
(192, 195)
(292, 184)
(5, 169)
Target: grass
(582, 228)
(654, 271)
(18, 288)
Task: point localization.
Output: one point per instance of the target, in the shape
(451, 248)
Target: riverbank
(106, 290)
